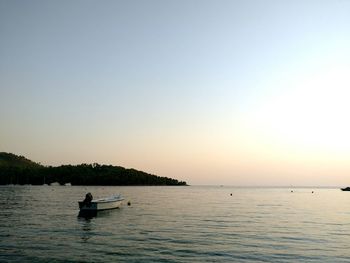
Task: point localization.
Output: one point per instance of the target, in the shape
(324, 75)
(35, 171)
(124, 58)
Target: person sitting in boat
(88, 199)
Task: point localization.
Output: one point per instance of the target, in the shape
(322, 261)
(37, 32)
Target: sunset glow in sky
(210, 92)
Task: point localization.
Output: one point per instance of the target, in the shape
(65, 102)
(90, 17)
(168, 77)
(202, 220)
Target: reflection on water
(86, 228)
(87, 214)
(175, 224)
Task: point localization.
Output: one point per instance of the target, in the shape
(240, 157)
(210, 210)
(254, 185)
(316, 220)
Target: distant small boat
(89, 205)
(345, 189)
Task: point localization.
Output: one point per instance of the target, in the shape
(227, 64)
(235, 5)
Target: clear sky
(211, 92)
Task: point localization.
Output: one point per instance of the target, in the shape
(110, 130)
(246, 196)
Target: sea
(176, 224)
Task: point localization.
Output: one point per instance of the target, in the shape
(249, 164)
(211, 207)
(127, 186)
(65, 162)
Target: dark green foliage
(19, 170)
(10, 159)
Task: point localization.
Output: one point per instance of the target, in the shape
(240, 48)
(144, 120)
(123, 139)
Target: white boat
(112, 202)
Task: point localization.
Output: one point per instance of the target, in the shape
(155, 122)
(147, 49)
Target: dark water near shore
(176, 224)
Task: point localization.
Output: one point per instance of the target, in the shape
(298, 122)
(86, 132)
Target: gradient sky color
(210, 92)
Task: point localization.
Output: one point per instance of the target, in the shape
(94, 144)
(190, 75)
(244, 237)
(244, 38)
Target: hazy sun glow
(311, 113)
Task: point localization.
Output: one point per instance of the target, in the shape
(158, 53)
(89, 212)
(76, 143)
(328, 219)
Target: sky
(245, 93)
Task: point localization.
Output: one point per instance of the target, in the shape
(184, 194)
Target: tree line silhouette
(19, 170)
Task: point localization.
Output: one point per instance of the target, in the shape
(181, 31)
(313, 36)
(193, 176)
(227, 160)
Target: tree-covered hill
(10, 159)
(19, 170)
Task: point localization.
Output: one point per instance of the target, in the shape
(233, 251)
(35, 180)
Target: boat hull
(101, 204)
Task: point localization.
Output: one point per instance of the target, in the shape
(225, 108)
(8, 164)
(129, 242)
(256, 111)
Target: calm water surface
(176, 224)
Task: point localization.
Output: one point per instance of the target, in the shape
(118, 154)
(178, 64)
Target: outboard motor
(85, 207)
(88, 199)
